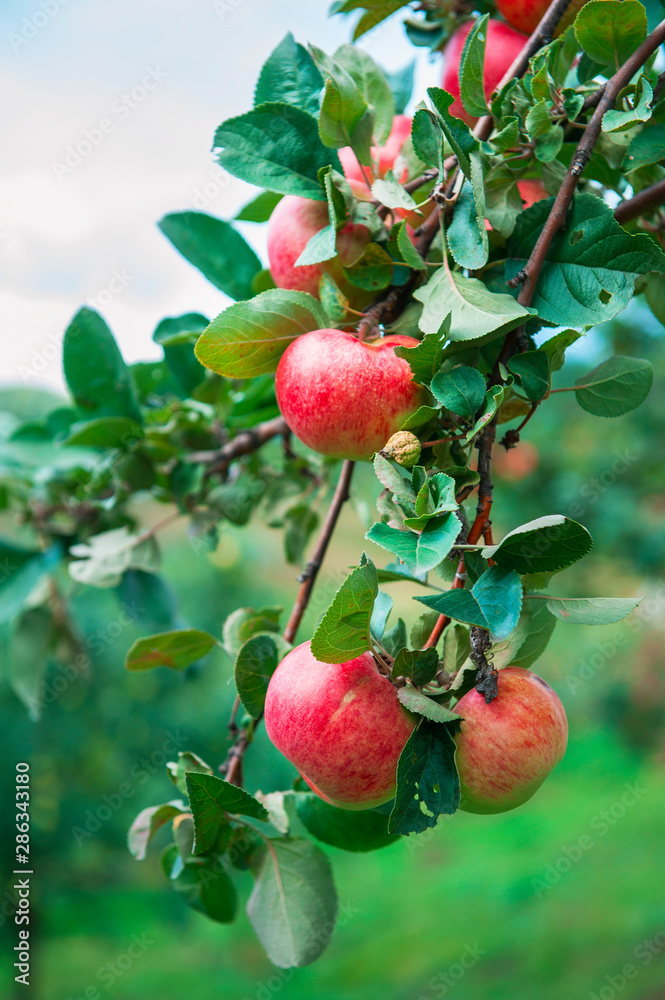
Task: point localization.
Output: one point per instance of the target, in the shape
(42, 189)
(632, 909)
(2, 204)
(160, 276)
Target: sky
(109, 113)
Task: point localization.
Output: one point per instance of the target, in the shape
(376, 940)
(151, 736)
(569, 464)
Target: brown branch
(651, 197)
(543, 35)
(242, 444)
(557, 217)
(232, 766)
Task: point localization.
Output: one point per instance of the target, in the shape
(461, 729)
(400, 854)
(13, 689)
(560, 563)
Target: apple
(515, 463)
(503, 45)
(506, 749)
(340, 724)
(343, 397)
(293, 222)
(383, 156)
(525, 15)
(532, 190)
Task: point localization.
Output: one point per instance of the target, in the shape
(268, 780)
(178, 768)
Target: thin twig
(651, 197)
(242, 444)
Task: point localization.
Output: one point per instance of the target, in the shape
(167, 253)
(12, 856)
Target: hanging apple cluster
(427, 274)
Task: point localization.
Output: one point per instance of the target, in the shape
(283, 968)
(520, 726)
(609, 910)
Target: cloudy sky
(139, 86)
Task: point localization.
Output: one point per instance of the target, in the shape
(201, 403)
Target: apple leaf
(532, 370)
(343, 632)
(95, 372)
(461, 390)
(467, 233)
(458, 604)
(177, 649)
(290, 75)
(248, 338)
(615, 387)
(147, 823)
(204, 885)
(436, 540)
(345, 118)
(609, 31)
(493, 603)
(211, 799)
(419, 703)
(390, 475)
(364, 830)
(460, 137)
(427, 780)
(592, 610)
(372, 83)
(259, 209)
(293, 905)
(216, 249)
(474, 310)
(590, 269)
(383, 605)
(275, 146)
(471, 69)
(546, 545)
(243, 623)
(418, 665)
(255, 664)
(403, 544)
(187, 761)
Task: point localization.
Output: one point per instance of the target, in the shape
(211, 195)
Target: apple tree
(427, 275)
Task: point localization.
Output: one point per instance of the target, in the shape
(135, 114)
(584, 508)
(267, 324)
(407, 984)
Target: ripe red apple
(294, 221)
(502, 46)
(532, 190)
(383, 156)
(525, 15)
(345, 398)
(506, 749)
(340, 724)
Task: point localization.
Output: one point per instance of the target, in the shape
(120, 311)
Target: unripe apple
(292, 224)
(383, 157)
(340, 724)
(343, 397)
(506, 749)
(503, 45)
(525, 15)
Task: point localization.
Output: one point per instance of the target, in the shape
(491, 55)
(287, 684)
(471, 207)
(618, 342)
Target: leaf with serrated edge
(419, 703)
(427, 780)
(546, 545)
(255, 664)
(614, 387)
(402, 544)
(474, 310)
(177, 649)
(419, 665)
(210, 799)
(147, 823)
(343, 632)
(592, 610)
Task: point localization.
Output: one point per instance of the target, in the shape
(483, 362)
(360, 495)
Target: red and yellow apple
(525, 15)
(502, 47)
(506, 749)
(340, 724)
(292, 224)
(343, 397)
(383, 157)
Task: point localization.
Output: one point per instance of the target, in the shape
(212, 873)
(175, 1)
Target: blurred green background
(552, 900)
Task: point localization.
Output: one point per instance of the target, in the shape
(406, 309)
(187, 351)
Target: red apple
(294, 221)
(383, 156)
(532, 190)
(525, 15)
(506, 749)
(515, 463)
(345, 398)
(340, 724)
(503, 45)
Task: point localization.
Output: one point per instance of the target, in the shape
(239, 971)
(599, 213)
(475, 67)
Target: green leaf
(436, 540)
(31, 640)
(456, 646)
(344, 118)
(290, 75)
(147, 823)
(395, 638)
(546, 545)
(243, 623)
(343, 632)
(216, 249)
(592, 610)
(645, 148)
(590, 270)
(539, 628)
(406, 249)
(96, 374)
(293, 906)
(461, 390)
(459, 135)
(390, 475)
(177, 649)
(259, 209)
(248, 338)
(101, 561)
(427, 780)
(499, 595)
(474, 310)
(458, 604)
(383, 605)
(436, 496)
(255, 665)
(211, 799)
(418, 665)
(419, 703)
(615, 387)
(471, 69)
(639, 98)
(177, 335)
(207, 887)
(373, 270)
(401, 82)
(104, 432)
(21, 570)
(371, 81)
(609, 31)
(357, 831)
(275, 146)
(467, 234)
(187, 761)
(425, 359)
(532, 369)
(555, 348)
(427, 139)
(493, 400)
(402, 544)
